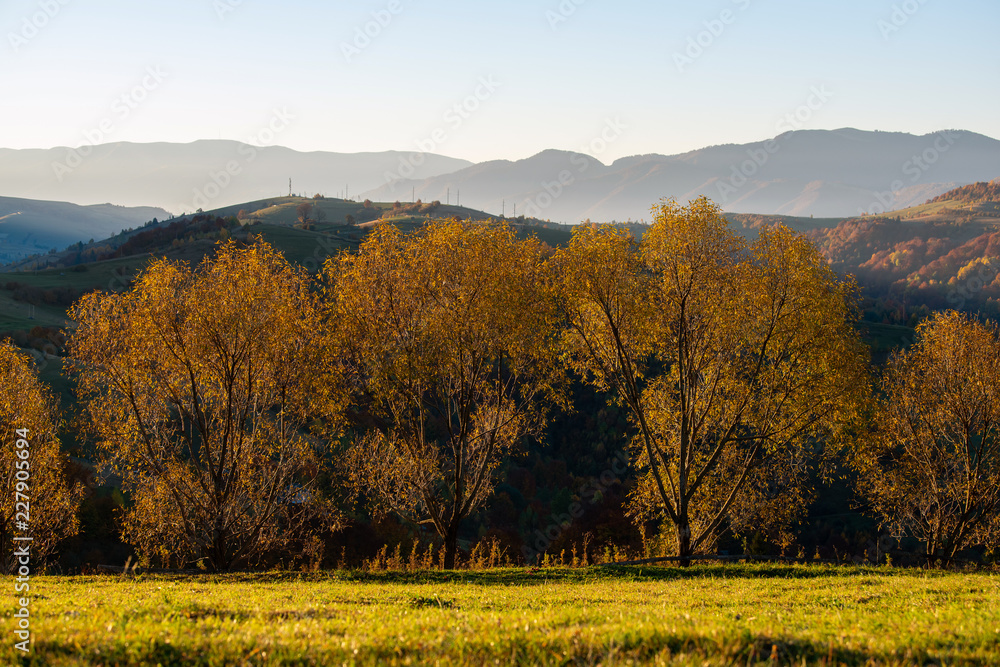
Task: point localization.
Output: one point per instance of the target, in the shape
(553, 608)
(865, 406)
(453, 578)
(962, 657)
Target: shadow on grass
(656, 647)
(529, 576)
(747, 650)
(154, 653)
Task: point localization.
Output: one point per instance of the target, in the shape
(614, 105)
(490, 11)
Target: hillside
(976, 193)
(37, 292)
(204, 174)
(927, 256)
(943, 253)
(29, 227)
(829, 174)
(751, 222)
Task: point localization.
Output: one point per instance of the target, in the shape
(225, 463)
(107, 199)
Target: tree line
(248, 407)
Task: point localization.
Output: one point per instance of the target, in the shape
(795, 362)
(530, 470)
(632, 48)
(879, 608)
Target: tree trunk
(220, 560)
(684, 542)
(932, 555)
(451, 546)
(7, 563)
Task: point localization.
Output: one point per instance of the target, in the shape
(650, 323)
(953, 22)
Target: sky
(492, 80)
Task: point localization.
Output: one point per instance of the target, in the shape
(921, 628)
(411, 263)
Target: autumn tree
(933, 468)
(37, 500)
(734, 360)
(304, 210)
(198, 384)
(451, 336)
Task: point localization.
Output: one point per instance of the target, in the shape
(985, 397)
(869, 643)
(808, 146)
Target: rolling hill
(37, 292)
(944, 252)
(831, 174)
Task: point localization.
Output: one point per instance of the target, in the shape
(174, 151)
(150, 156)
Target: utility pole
(289, 187)
(503, 208)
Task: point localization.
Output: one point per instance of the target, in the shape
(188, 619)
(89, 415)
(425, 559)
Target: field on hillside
(949, 210)
(706, 615)
(309, 248)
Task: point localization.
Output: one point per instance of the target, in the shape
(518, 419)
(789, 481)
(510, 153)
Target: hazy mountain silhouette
(826, 173)
(203, 174)
(29, 227)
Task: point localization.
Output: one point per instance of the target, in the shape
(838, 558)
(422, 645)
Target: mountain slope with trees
(943, 253)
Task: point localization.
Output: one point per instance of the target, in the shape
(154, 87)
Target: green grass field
(797, 223)
(15, 315)
(706, 615)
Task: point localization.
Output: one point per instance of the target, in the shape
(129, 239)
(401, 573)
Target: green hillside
(946, 234)
(978, 203)
(37, 292)
(751, 222)
(951, 208)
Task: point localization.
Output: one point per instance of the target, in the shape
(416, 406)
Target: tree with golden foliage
(933, 468)
(451, 334)
(198, 384)
(734, 359)
(34, 486)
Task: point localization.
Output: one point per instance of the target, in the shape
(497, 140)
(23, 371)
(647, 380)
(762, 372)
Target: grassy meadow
(705, 615)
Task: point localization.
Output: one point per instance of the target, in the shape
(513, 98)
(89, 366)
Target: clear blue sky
(226, 65)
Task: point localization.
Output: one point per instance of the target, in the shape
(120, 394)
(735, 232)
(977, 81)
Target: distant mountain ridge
(826, 173)
(823, 173)
(182, 178)
(30, 227)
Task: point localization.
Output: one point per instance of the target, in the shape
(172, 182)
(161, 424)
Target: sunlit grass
(706, 615)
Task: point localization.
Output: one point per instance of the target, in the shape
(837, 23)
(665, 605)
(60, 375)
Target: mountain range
(182, 178)
(825, 173)
(29, 227)
(822, 173)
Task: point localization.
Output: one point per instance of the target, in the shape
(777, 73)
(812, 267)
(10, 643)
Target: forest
(462, 394)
